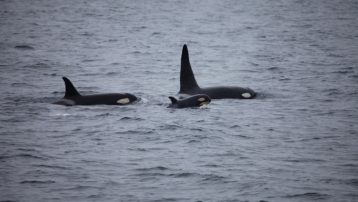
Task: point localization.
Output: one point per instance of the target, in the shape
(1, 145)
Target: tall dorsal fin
(70, 89)
(187, 79)
(173, 99)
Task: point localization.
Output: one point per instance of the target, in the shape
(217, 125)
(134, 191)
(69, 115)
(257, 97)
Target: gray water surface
(297, 141)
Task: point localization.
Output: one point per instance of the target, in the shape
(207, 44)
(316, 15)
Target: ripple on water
(137, 132)
(274, 68)
(39, 65)
(304, 160)
(212, 178)
(183, 175)
(55, 167)
(127, 118)
(308, 196)
(37, 182)
(22, 85)
(24, 156)
(353, 182)
(150, 169)
(169, 127)
(24, 47)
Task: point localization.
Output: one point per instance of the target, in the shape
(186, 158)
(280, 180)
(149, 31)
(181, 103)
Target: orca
(198, 100)
(73, 97)
(189, 86)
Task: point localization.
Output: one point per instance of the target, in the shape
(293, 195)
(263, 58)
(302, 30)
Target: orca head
(126, 98)
(202, 100)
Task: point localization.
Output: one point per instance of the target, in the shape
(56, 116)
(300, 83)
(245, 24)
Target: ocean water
(297, 141)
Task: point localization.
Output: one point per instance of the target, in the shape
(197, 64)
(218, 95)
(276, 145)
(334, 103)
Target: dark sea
(296, 141)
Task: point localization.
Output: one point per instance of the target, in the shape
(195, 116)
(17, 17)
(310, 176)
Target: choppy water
(298, 141)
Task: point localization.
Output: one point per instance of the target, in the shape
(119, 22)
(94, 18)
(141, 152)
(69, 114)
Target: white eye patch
(246, 95)
(201, 99)
(123, 101)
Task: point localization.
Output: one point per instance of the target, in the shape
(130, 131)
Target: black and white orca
(73, 97)
(189, 86)
(192, 101)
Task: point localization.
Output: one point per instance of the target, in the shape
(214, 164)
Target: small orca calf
(72, 97)
(188, 85)
(192, 101)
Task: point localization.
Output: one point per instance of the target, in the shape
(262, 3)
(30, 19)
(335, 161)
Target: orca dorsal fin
(187, 79)
(70, 89)
(173, 99)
